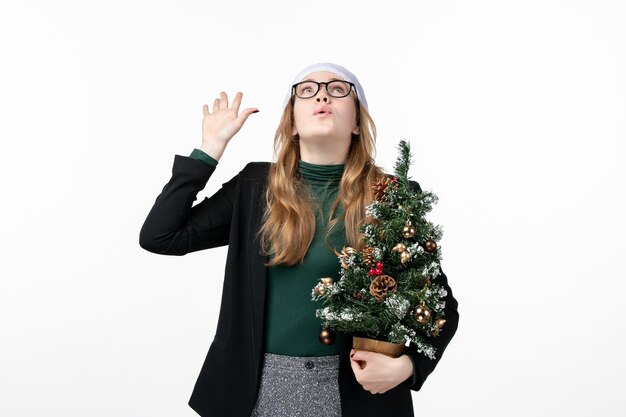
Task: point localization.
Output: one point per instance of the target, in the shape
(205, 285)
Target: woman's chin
(317, 134)
(319, 138)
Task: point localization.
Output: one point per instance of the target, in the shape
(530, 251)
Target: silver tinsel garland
(397, 305)
(327, 314)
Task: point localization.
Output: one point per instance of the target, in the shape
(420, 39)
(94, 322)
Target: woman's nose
(323, 92)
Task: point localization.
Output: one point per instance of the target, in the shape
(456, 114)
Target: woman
(282, 222)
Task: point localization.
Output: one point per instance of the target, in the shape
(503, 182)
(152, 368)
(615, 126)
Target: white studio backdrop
(515, 114)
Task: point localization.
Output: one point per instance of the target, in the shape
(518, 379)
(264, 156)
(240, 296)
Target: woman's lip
(322, 114)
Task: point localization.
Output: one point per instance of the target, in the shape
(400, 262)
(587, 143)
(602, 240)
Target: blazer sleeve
(423, 366)
(174, 227)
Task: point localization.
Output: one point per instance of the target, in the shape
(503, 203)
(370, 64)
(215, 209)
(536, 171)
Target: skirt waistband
(276, 361)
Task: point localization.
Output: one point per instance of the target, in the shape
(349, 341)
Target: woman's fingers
(223, 100)
(247, 112)
(221, 103)
(237, 101)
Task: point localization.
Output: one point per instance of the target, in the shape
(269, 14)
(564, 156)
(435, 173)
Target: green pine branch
(401, 168)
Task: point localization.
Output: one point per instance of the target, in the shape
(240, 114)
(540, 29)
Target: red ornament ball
(379, 265)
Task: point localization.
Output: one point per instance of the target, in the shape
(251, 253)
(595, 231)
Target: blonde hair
(289, 221)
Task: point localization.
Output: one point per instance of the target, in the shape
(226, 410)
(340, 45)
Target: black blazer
(229, 379)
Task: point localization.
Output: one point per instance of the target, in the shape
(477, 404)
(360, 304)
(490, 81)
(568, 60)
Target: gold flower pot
(393, 350)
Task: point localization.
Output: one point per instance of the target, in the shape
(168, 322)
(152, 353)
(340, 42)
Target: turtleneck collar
(321, 174)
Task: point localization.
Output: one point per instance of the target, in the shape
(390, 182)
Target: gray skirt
(303, 386)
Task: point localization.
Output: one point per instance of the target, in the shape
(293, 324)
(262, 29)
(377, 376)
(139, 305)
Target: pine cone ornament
(378, 189)
(368, 257)
(381, 286)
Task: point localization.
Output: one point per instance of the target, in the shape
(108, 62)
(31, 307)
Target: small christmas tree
(388, 291)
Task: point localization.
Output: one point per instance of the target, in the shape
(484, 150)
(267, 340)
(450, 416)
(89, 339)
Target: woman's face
(338, 125)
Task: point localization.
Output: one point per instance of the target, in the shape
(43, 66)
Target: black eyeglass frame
(293, 88)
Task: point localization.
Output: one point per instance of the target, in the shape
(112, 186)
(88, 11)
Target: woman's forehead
(322, 76)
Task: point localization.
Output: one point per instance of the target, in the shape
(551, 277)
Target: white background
(516, 116)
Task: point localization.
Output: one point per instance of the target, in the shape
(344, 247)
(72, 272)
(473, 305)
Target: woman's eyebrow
(332, 79)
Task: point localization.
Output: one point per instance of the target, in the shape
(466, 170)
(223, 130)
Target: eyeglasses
(336, 88)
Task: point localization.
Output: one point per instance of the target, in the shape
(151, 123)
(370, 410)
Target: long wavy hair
(289, 220)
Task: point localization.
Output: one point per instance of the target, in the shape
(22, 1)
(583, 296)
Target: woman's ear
(355, 130)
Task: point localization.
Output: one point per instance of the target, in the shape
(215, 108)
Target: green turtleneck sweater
(291, 327)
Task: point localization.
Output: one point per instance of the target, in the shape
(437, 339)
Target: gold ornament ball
(327, 281)
(327, 336)
(405, 257)
(408, 232)
(430, 246)
(422, 314)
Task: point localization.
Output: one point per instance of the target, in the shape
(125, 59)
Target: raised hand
(219, 127)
